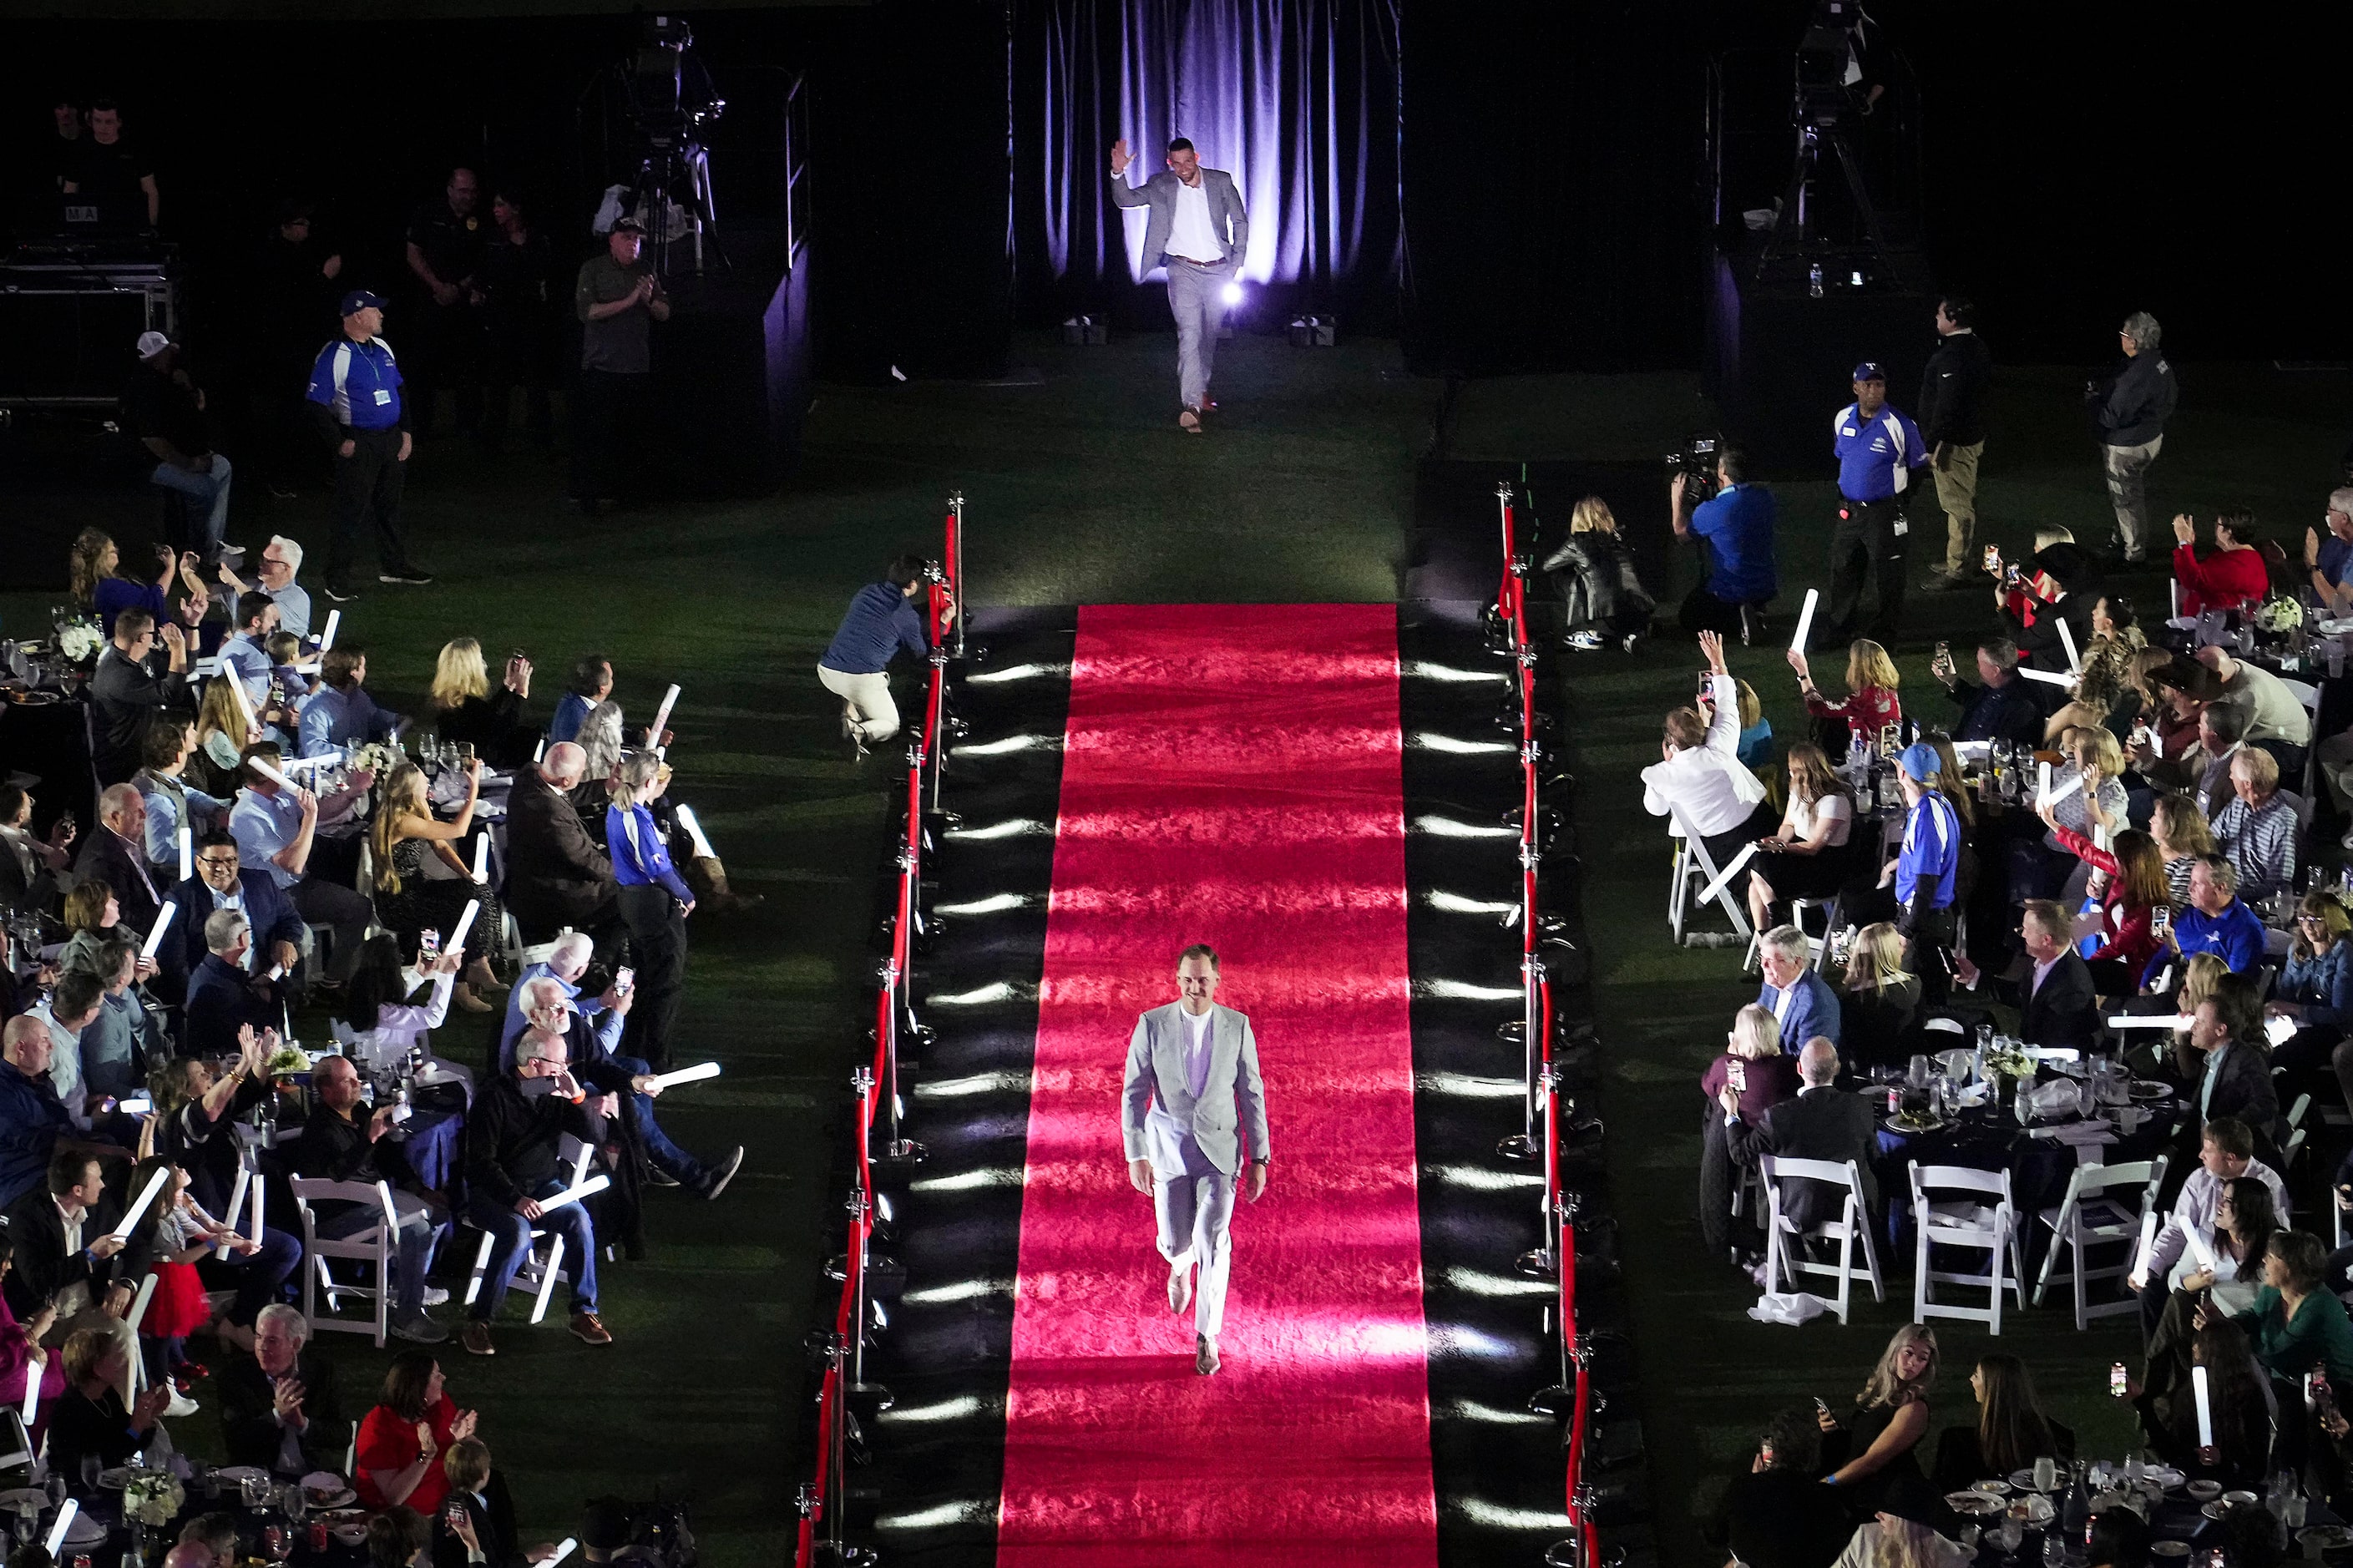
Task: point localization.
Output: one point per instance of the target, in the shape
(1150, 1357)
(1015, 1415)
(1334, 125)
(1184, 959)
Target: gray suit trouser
(1197, 297)
(1196, 1212)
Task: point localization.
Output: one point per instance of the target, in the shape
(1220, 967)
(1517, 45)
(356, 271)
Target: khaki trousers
(1956, 492)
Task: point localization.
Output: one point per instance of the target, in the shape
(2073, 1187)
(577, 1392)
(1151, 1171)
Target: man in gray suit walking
(1198, 231)
(1191, 1066)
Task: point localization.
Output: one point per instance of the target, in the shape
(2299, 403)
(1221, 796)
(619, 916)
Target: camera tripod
(677, 170)
(1796, 235)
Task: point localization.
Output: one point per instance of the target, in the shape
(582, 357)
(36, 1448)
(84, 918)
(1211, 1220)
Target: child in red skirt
(170, 1236)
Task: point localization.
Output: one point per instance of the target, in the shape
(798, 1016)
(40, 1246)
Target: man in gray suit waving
(1198, 230)
(1191, 1067)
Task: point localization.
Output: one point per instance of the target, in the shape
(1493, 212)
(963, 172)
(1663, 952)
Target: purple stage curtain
(1296, 99)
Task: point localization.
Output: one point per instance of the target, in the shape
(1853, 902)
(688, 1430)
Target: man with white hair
(556, 876)
(597, 1062)
(512, 1160)
(1800, 1001)
(116, 855)
(2130, 406)
(1822, 1123)
(278, 1406)
(280, 559)
(223, 996)
(564, 964)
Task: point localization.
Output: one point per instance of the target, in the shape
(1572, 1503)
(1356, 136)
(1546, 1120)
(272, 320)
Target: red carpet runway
(1231, 776)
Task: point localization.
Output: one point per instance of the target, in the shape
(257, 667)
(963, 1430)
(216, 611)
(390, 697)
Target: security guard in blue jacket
(1880, 456)
(356, 404)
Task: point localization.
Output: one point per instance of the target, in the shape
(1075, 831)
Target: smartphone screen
(2116, 1380)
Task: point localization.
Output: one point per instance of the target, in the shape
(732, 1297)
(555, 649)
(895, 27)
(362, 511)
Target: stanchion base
(869, 1399)
(848, 1556)
(1520, 1146)
(1556, 1402)
(882, 1269)
(1538, 1263)
(1514, 1030)
(1569, 1554)
(897, 1156)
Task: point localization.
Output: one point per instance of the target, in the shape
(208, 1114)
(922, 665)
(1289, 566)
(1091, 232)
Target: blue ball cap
(1920, 760)
(1869, 370)
(359, 299)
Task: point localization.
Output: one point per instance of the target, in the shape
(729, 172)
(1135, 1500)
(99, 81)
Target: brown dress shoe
(476, 1337)
(589, 1330)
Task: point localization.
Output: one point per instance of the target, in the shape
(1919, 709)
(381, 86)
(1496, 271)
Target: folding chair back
(1785, 1254)
(372, 1244)
(2104, 1208)
(1961, 1207)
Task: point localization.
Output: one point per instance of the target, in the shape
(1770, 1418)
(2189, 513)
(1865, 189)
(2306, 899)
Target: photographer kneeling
(1737, 524)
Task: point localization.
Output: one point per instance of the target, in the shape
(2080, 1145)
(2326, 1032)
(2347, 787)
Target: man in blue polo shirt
(2328, 558)
(880, 620)
(2214, 921)
(1880, 455)
(1738, 576)
(356, 404)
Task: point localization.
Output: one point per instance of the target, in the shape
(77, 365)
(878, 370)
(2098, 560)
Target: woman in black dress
(1878, 1442)
(2011, 1431)
(409, 901)
(465, 708)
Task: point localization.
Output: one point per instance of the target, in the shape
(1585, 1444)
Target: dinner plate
(338, 1499)
(1973, 1501)
(2033, 1507)
(2238, 1497)
(2327, 1537)
(2023, 1479)
(1897, 1125)
(35, 699)
(10, 1501)
(242, 1473)
(2216, 1508)
(1992, 1489)
(2170, 1548)
(2205, 1491)
(2165, 1476)
(85, 1530)
(2142, 1089)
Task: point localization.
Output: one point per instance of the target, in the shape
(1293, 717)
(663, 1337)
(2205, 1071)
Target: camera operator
(617, 299)
(1952, 421)
(1738, 578)
(1879, 452)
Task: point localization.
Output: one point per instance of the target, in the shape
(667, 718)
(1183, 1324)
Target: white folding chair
(1970, 1223)
(1693, 860)
(2104, 1204)
(373, 1244)
(1799, 909)
(535, 1271)
(1786, 1257)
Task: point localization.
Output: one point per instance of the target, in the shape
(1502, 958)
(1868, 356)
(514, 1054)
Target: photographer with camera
(882, 619)
(1734, 521)
(1879, 452)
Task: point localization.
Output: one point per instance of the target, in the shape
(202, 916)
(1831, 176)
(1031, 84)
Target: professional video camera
(1696, 462)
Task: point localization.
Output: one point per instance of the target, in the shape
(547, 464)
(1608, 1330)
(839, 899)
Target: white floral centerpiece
(2009, 1061)
(377, 758)
(80, 639)
(152, 1497)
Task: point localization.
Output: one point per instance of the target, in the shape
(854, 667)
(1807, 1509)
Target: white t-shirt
(1192, 235)
(1833, 810)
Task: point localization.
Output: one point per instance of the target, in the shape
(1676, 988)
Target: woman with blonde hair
(1594, 569)
(465, 710)
(2183, 837)
(1881, 998)
(1754, 1067)
(1755, 745)
(1809, 858)
(1875, 1447)
(222, 736)
(1870, 703)
(407, 900)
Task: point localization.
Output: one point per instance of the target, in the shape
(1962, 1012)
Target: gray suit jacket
(1159, 194)
(1155, 1073)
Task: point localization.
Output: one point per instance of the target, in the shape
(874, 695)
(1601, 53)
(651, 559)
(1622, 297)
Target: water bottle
(1814, 281)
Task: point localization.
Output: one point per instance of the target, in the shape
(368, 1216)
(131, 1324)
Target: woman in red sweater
(2129, 882)
(2235, 576)
(1870, 703)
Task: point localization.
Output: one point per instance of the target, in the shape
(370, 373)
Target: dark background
(2078, 162)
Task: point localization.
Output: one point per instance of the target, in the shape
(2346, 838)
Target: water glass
(2054, 1549)
(2046, 1474)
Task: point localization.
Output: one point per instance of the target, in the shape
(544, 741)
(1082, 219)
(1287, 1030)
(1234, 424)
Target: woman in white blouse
(1807, 858)
(381, 1020)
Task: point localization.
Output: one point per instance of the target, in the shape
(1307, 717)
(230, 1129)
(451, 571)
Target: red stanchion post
(955, 564)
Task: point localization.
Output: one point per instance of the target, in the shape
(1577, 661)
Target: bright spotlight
(1466, 1087)
(1483, 1180)
(1456, 904)
(961, 1290)
(995, 991)
(977, 1083)
(1232, 294)
(1460, 991)
(1013, 827)
(995, 903)
(1477, 1284)
(948, 1410)
(1010, 744)
(1429, 740)
(1429, 671)
(978, 1510)
(1016, 672)
(1447, 828)
(968, 1181)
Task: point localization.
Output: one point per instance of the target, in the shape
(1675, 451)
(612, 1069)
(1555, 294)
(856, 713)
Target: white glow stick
(695, 1074)
(2279, 1031)
(269, 770)
(32, 1395)
(2205, 1410)
(457, 942)
(147, 1195)
(187, 853)
(139, 1303)
(539, 752)
(1805, 620)
(2198, 1244)
(1747, 853)
(563, 1548)
(236, 1203)
(694, 830)
(2149, 1021)
(327, 634)
(2174, 588)
(2048, 678)
(2148, 1243)
(596, 1183)
(244, 703)
(155, 933)
(2067, 640)
(312, 668)
(2052, 797)
(66, 1512)
(661, 715)
(483, 858)
(2042, 786)
(2100, 838)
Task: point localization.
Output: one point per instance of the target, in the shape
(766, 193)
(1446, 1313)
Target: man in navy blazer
(1800, 1001)
(223, 996)
(221, 882)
